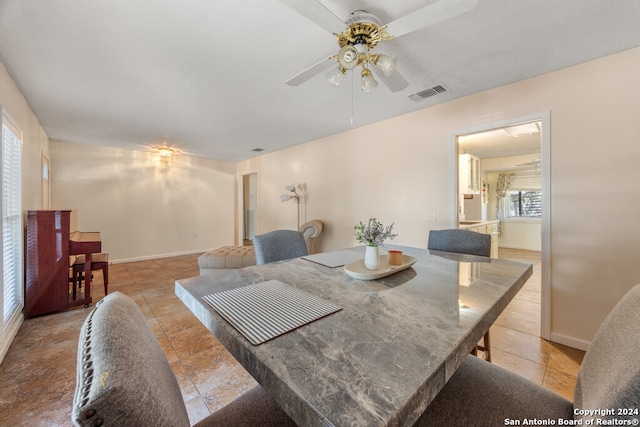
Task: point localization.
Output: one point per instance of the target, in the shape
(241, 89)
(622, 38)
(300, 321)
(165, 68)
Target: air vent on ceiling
(428, 93)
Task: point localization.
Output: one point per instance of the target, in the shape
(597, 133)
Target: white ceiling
(507, 141)
(207, 77)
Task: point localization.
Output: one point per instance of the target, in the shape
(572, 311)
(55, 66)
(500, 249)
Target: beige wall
(35, 142)
(401, 168)
(142, 205)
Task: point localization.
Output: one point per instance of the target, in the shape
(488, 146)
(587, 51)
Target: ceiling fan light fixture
(386, 64)
(368, 82)
(335, 76)
(348, 57)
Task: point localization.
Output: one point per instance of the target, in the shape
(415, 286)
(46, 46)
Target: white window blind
(12, 252)
(526, 181)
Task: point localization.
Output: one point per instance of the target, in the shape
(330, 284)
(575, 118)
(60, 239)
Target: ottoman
(244, 256)
(226, 257)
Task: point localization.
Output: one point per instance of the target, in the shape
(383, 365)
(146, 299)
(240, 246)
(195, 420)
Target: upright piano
(50, 242)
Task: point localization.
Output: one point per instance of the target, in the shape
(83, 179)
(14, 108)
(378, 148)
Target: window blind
(526, 181)
(12, 252)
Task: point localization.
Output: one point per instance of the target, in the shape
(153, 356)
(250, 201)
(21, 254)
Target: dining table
(382, 343)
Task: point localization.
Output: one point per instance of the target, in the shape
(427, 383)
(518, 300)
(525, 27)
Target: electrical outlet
(430, 216)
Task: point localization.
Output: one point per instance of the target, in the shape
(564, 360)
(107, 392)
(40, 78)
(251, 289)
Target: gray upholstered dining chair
(124, 379)
(460, 241)
(483, 394)
(279, 245)
(464, 242)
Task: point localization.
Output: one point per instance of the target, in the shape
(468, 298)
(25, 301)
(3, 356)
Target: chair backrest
(609, 376)
(311, 230)
(123, 377)
(460, 241)
(279, 245)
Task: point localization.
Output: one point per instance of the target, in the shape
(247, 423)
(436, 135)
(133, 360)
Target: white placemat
(266, 310)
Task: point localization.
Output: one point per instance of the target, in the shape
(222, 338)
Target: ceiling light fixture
(355, 43)
(522, 129)
(165, 151)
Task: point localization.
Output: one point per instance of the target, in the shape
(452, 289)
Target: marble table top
(384, 357)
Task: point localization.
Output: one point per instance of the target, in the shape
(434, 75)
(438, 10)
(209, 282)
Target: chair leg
(485, 347)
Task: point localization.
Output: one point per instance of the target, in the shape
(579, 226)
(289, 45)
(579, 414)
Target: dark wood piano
(50, 242)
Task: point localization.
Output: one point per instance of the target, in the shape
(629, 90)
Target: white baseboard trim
(570, 341)
(150, 257)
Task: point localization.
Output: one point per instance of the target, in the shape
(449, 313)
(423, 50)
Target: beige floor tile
(197, 410)
(190, 341)
(565, 359)
(519, 365)
(560, 382)
(520, 344)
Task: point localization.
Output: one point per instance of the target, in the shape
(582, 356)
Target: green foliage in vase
(373, 233)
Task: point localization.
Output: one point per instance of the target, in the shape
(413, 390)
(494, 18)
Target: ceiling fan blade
(317, 13)
(429, 15)
(395, 82)
(311, 71)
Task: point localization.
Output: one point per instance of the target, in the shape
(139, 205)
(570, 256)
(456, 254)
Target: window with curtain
(12, 252)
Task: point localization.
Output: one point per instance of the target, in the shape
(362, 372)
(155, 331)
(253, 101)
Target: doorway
(516, 148)
(249, 207)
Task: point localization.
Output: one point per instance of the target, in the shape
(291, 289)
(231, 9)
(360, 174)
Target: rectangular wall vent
(428, 93)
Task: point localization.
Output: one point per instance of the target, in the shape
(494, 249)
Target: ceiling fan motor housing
(364, 29)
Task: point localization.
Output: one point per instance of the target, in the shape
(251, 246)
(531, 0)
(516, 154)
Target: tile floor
(37, 376)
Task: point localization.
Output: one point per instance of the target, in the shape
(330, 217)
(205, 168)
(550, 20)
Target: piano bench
(98, 262)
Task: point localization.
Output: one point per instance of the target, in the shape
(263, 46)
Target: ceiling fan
(363, 32)
(533, 162)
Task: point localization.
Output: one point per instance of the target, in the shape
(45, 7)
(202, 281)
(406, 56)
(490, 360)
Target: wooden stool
(98, 262)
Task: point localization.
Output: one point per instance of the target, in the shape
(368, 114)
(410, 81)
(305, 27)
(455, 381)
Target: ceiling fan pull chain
(352, 99)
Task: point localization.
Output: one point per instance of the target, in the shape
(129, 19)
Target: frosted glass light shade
(386, 64)
(335, 76)
(368, 82)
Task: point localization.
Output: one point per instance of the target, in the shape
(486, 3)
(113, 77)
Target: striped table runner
(266, 310)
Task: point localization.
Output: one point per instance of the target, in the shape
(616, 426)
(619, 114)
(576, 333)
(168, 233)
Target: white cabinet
(468, 174)
(493, 230)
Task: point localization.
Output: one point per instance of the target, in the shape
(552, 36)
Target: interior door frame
(46, 182)
(241, 207)
(544, 118)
